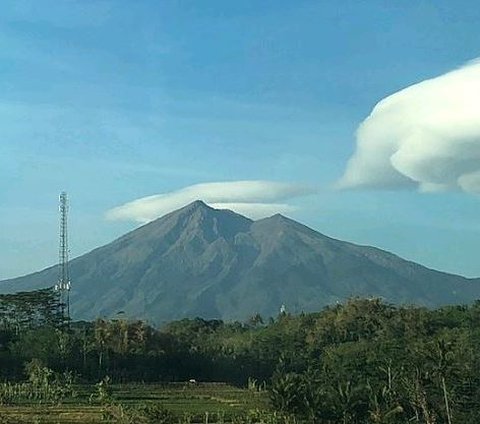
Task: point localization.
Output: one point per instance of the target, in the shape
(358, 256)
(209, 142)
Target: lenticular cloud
(427, 135)
(256, 199)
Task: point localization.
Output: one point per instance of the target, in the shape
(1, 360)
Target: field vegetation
(362, 362)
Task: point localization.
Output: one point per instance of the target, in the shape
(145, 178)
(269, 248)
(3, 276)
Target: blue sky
(117, 100)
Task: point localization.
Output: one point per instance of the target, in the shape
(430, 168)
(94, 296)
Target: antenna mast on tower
(63, 285)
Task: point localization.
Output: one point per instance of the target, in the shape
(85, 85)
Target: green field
(194, 403)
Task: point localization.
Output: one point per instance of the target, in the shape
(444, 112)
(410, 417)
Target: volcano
(200, 261)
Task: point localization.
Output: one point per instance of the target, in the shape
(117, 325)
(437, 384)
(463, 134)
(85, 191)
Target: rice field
(179, 402)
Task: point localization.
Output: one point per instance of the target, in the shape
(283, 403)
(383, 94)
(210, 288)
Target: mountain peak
(195, 208)
(279, 219)
(199, 204)
(202, 261)
(279, 216)
(195, 205)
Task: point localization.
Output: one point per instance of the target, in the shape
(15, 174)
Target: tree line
(363, 361)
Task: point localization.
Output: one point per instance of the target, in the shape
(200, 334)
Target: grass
(194, 400)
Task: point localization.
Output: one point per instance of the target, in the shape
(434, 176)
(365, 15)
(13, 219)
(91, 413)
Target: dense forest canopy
(363, 361)
(31, 309)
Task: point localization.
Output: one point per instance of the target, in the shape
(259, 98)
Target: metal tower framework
(63, 285)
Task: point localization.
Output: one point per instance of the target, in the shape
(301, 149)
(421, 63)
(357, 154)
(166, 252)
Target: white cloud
(427, 135)
(255, 199)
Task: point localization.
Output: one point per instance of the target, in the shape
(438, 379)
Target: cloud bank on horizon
(426, 136)
(255, 199)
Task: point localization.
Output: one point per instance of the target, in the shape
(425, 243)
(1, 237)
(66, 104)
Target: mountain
(199, 261)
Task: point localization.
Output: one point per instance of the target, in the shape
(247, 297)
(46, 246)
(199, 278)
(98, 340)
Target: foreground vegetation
(361, 362)
(137, 403)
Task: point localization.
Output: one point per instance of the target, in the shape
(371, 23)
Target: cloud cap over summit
(426, 136)
(253, 198)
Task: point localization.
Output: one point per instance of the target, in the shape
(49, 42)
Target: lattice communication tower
(63, 285)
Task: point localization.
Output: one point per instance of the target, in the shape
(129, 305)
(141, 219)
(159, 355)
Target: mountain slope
(200, 261)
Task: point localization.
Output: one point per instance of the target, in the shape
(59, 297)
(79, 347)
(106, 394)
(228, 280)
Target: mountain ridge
(216, 263)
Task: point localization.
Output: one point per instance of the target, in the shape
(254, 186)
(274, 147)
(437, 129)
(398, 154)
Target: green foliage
(42, 386)
(30, 309)
(156, 414)
(104, 391)
(364, 361)
(372, 363)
